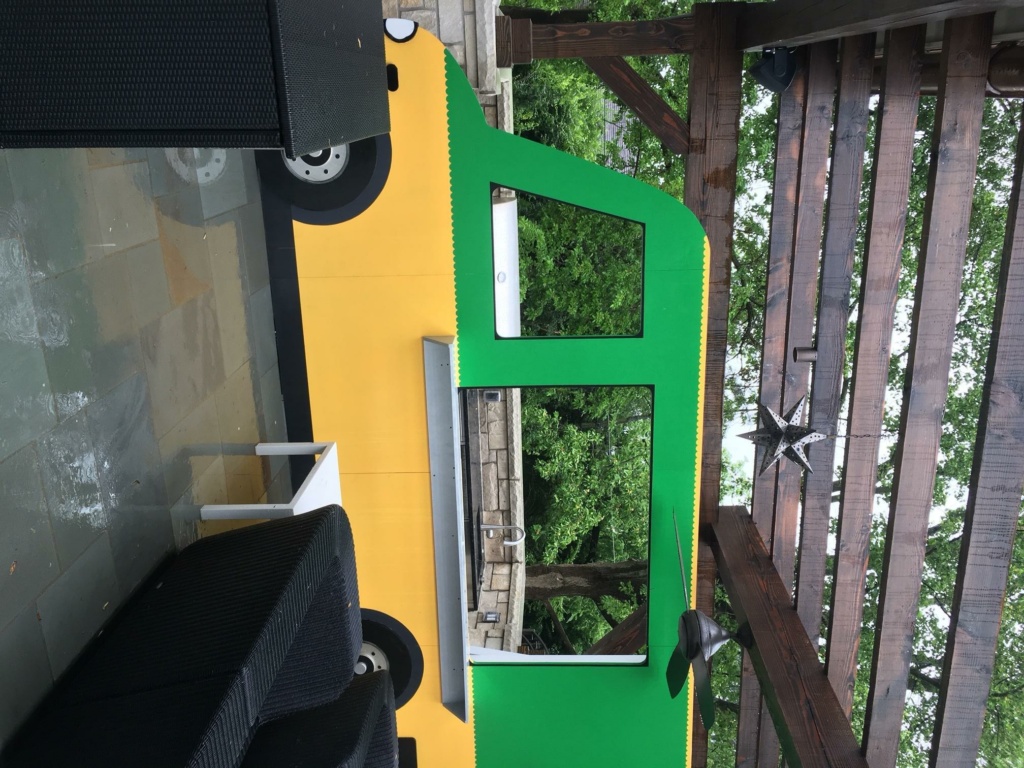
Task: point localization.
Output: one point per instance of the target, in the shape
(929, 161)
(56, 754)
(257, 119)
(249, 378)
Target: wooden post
(715, 94)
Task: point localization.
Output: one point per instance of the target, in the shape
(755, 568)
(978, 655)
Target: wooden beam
(628, 636)
(797, 22)
(654, 37)
(890, 185)
(637, 94)
(786, 186)
(993, 505)
(947, 214)
(755, 724)
(707, 576)
(847, 165)
(715, 95)
(803, 282)
(813, 729)
(513, 41)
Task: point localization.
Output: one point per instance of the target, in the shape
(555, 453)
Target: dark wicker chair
(241, 630)
(297, 74)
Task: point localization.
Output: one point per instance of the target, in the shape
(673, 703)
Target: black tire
(403, 657)
(333, 202)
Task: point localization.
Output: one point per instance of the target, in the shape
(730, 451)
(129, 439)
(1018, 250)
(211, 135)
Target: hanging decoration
(783, 436)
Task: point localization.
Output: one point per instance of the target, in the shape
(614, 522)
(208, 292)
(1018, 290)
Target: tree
(593, 580)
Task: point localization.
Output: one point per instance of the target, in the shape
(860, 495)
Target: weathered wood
(947, 214)
(889, 190)
(833, 316)
(715, 95)
(797, 22)
(773, 362)
(1005, 73)
(637, 94)
(813, 729)
(993, 504)
(780, 267)
(707, 575)
(628, 636)
(749, 730)
(609, 38)
(513, 41)
(716, 71)
(803, 282)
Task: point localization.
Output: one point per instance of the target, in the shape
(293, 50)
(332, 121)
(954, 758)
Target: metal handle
(520, 533)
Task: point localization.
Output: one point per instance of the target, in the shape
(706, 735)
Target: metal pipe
(520, 533)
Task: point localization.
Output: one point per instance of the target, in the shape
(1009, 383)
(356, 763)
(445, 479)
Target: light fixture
(776, 69)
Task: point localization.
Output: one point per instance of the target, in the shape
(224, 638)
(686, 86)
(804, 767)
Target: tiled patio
(138, 369)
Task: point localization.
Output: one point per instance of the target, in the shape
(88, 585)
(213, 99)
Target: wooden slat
(889, 190)
(614, 38)
(716, 70)
(947, 214)
(797, 22)
(813, 728)
(803, 289)
(637, 94)
(993, 505)
(756, 734)
(780, 268)
(833, 316)
(707, 576)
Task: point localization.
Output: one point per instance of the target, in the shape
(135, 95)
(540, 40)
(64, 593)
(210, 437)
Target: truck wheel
(387, 644)
(330, 186)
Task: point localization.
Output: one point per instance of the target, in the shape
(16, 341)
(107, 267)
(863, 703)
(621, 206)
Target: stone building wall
(466, 27)
(501, 503)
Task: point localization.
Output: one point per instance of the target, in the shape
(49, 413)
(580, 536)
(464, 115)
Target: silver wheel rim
(376, 657)
(202, 165)
(319, 167)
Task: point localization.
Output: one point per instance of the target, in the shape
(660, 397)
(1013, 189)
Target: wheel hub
(371, 659)
(319, 167)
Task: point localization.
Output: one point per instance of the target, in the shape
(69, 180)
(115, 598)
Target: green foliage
(580, 272)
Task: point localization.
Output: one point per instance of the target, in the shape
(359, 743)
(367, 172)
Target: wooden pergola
(789, 700)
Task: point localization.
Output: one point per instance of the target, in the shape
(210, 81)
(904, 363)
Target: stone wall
(466, 27)
(501, 503)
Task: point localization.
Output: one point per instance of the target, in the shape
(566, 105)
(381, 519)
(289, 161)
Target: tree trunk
(593, 580)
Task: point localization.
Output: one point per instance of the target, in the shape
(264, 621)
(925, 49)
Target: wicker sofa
(240, 652)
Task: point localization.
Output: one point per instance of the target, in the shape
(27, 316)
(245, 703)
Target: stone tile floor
(137, 371)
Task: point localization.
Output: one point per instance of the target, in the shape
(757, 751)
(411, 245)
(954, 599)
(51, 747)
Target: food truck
(388, 302)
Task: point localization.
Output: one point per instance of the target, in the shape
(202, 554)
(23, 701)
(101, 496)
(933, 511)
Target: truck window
(562, 270)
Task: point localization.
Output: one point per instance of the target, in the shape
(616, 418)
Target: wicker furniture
(297, 74)
(250, 629)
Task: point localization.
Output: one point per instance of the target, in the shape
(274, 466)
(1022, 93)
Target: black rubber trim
(291, 348)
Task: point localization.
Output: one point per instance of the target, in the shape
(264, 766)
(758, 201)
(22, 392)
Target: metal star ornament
(783, 436)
